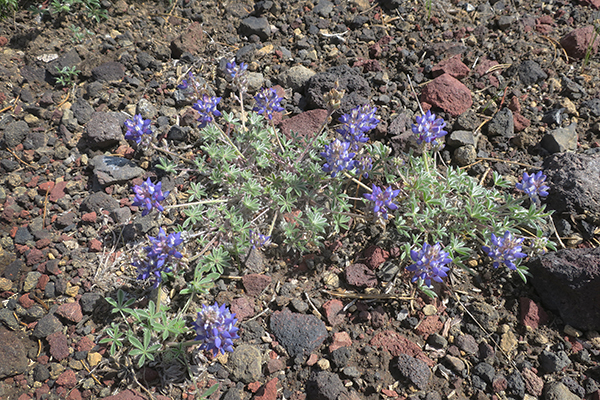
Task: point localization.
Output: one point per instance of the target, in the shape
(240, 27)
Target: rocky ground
(519, 67)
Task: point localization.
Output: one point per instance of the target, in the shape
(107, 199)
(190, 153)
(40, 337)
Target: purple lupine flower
(216, 329)
(160, 257)
(267, 102)
(355, 124)
(258, 240)
(430, 264)
(363, 165)
(534, 185)
(148, 195)
(238, 74)
(428, 128)
(505, 250)
(166, 245)
(337, 157)
(207, 108)
(382, 200)
(138, 130)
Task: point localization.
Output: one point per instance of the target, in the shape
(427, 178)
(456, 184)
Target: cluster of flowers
(345, 154)
(216, 329)
(161, 256)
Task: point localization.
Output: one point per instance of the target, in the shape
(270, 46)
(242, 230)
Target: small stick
(17, 157)
(313, 306)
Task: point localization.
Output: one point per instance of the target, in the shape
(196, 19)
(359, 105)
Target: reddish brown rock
(26, 301)
(58, 191)
(67, 379)
(333, 312)
(59, 347)
(89, 217)
(397, 344)
(70, 311)
(533, 383)
(191, 41)
(306, 124)
(375, 256)
(452, 66)
(429, 325)
(592, 3)
(577, 42)
(360, 275)
(275, 365)
(268, 391)
(340, 339)
(449, 94)
(85, 344)
(531, 314)
(95, 245)
(255, 283)
(126, 395)
(243, 308)
(520, 122)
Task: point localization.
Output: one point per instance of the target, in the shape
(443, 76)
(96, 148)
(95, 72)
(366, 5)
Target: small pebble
(323, 364)
(429, 310)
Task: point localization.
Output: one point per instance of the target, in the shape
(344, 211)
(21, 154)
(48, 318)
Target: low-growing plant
(8, 7)
(255, 187)
(67, 75)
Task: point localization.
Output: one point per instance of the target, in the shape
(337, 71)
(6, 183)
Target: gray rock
(325, 386)
(486, 315)
(561, 139)
(505, 21)
(69, 59)
(121, 215)
(590, 108)
(255, 81)
(35, 140)
(103, 130)
(516, 384)
(299, 305)
(109, 72)
(15, 133)
(97, 202)
(437, 341)
(558, 391)
(572, 89)
(351, 372)
(12, 354)
(357, 89)
(245, 363)
(485, 371)
(323, 8)
(89, 301)
(8, 319)
(553, 362)
(112, 169)
(415, 370)
(146, 109)
(461, 138)
(299, 334)
(454, 363)
(22, 236)
(82, 111)
(465, 155)
(47, 326)
(467, 343)
(31, 280)
(502, 124)
(530, 72)
(573, 181)
(568, 281)
(233, 394)
(41, 373)
(297, 77)
(256, 26)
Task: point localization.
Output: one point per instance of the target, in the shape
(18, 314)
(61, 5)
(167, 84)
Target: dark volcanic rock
(357, 89)
(12, 354)
(575, 188)
(415, 370)
(568, 281)
(103, 130)
(299, 334)
(97, 202)
(325, 386)
(111, 169)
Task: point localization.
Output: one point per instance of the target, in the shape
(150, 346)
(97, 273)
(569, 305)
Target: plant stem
(197, 203)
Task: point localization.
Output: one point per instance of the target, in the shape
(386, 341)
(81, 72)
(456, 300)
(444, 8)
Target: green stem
(277, 136)
(228, 140)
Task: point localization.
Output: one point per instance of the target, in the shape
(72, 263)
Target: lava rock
(12, 354)
(325, 386)
(561, 139)
(574, 182)
(568, 281)
(112, 71)
(299, 334)
(103, 130)
(360, 275)
(530, 72)
(15, 133)
(245, 363)
(46, 326)
(449, 94)
(415, 370)
(558, 391)
(297, 77)
(357, 89)
(553, 361)
(577, 42)
(502, 124)
(96, 202)
(258, 26)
